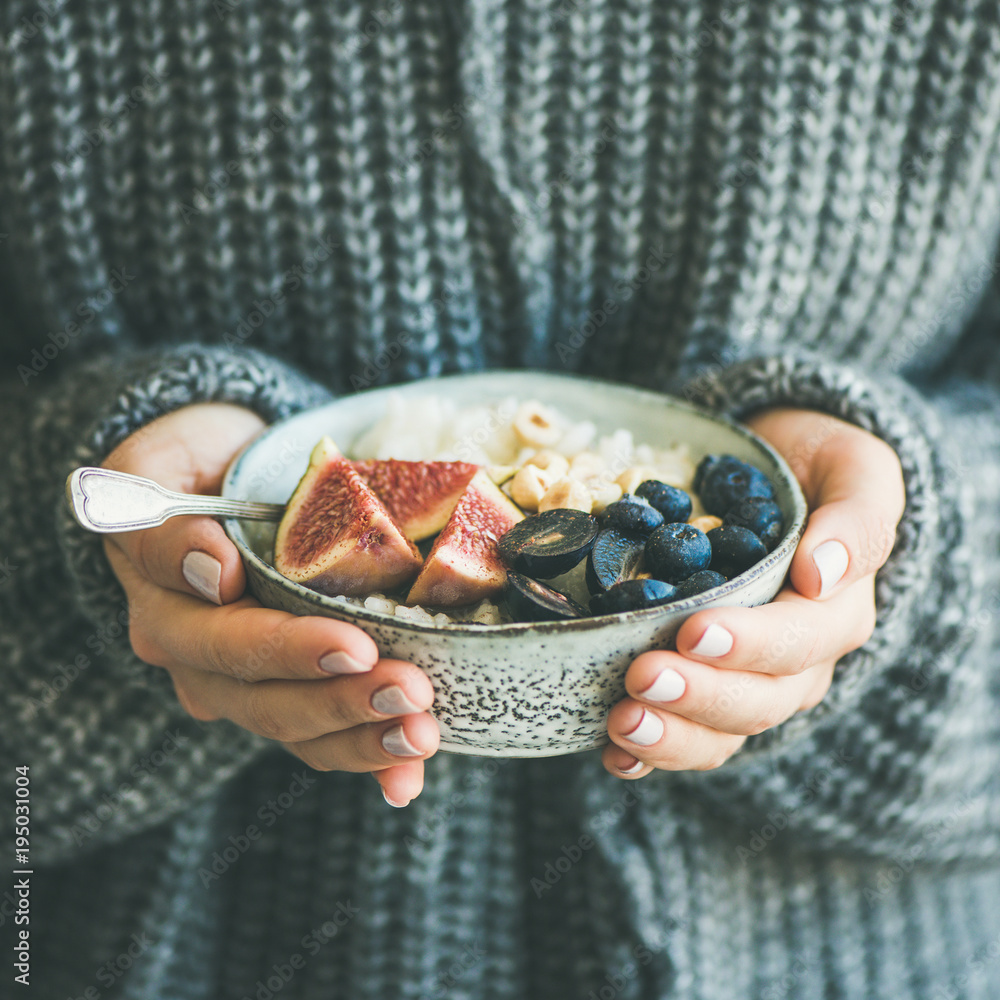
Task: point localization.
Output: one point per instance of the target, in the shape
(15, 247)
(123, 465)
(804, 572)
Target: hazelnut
(535, 425)
(529, 485)
(567, 492)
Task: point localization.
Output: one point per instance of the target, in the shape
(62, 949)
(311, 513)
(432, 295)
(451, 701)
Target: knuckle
(721, 751)
(191, 705)
(309, 756)
(211, 655)
(865, 627)
(341, 712)
(765, 720)
(876, 538)
(259, 711)
(144, 646)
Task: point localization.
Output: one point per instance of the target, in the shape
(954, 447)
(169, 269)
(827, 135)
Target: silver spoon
(107, 501)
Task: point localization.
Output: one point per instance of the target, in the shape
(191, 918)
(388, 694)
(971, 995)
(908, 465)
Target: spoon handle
(106, 501)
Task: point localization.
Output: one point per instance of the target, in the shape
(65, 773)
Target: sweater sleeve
(109, 749)
(903, 755)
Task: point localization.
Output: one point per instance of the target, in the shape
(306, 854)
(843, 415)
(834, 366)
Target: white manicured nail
(831, 559)
(395, 805)
(649, 730)
(394, 740)
(715, 641)
(204, 573)
(668, 686)
(341, 663)
(392, 701)
(634, 769)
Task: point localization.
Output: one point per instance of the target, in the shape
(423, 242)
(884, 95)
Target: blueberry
(632, 595)
(699, 582)
(675, 551)
(707, 463)
(734, 549)
(727, 480)
(613, 557)
(631, 514)
(761, 516)
(529, 600)
(672, 503)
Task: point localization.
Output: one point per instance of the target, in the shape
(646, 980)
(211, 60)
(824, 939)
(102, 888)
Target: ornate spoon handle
(106, 501)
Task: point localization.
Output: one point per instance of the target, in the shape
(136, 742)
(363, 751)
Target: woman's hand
(740, 671)
(315, 685)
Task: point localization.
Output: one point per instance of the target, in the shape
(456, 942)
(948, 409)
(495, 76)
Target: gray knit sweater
(785, 202)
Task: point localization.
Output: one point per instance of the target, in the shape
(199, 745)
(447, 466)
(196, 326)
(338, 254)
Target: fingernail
(340, 663)
(395, 805)
(649, 730)
(715, 641)
(392, 701)
(831, 559)
(204, 573)
(668, 686)
(394, 740)
(634, 769)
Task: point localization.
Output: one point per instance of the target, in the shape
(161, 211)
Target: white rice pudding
(544, 458)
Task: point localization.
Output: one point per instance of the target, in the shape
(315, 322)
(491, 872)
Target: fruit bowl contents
(505, 685)
(550, 522)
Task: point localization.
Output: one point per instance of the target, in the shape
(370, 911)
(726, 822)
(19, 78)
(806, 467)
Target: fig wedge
(420, 496)
(465, 565)
(336, 535)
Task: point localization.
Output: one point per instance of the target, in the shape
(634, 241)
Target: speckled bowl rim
(781, 552)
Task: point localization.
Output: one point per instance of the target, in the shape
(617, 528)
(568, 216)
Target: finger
(740, 702)
(188, 554)
(372, 747)
(784, 637)
(401, 784)
(669, 742)
(297, 711)
(192, 555)
(855, 491)
(240, 640)
(622, 764)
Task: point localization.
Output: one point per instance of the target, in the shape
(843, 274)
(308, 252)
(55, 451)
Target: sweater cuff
(931, 521)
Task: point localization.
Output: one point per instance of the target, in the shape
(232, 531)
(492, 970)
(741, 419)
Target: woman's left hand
(740, 671)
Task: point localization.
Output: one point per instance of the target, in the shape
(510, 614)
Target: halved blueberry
(734, 549)
(613, 558)
(676, 551)
(550, 543)
(762, 516)
(672, 503)
(699, 582)
(632, 595)
(727, 480)
(529, 600)
(631, 514)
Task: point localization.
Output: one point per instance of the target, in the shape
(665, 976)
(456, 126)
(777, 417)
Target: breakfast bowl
(516, 688)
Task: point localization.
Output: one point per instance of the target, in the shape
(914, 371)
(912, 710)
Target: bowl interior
(270, 467)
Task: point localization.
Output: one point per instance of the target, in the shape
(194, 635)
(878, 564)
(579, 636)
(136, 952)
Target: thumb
(855, 491)
(187, 451)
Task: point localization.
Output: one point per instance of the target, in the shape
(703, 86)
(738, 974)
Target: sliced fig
(550, 543)
(529, 600)
(465, 565)
(420, 496)
(336, 536)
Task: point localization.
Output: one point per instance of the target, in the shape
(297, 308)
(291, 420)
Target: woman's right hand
(313, 684)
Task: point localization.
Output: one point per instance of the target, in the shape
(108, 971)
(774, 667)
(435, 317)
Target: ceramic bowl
(523, 689)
